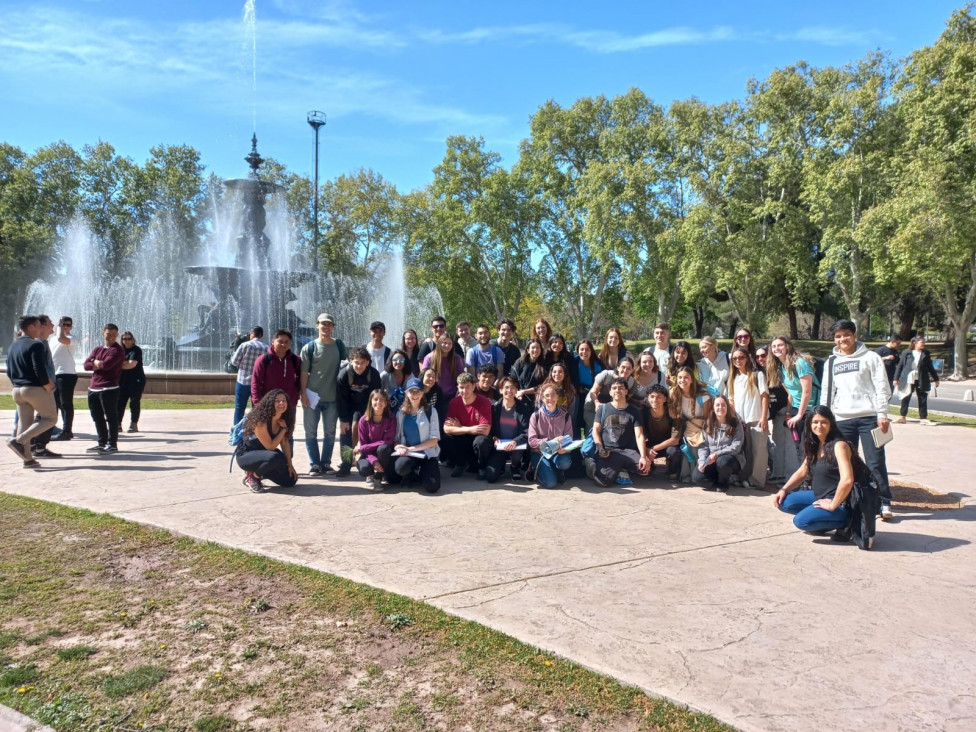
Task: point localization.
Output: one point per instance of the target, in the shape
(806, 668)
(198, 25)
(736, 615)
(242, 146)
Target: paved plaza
(714, 601)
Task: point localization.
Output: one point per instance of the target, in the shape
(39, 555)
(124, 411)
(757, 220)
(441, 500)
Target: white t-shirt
(377, 357)
(748, 402)
(662, 357)
(64, 356)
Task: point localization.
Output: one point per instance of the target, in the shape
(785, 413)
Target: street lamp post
(316, 120)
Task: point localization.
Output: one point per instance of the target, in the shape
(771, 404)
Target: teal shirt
(322, 367)
(795, 388)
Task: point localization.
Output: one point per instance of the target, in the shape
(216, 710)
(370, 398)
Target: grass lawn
(106, 624)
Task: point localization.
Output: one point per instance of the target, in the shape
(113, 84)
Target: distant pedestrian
(33, 389)
(132, 382)
(889, 355)
(62, 345)
(916, 374)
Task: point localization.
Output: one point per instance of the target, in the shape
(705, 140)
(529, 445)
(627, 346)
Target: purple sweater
(542, 427)
(372, 435)
(107, 377)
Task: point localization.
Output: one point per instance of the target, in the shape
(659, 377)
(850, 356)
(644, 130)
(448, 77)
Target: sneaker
(316, 470)
(901, 420)
(63, 437)
(45, 453)
(95, 448)
(711, 487)
(928, 422)
(458, 471)
(384, 480)
(842, 535)
(516, 475)
(328, 470)
(134, 427)
(561, 477)
(482, 475)
(108, 450)
(886, 514)
(343, 471)
(31, 464)
(590, 465)
(621, 480)
(17, 448)
(252, 482)
(370, 481)
(673, 477)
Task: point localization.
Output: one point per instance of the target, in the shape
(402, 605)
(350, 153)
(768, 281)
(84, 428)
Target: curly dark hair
(264, 411)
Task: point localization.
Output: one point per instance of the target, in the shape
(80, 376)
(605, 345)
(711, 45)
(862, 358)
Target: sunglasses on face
(742, 337)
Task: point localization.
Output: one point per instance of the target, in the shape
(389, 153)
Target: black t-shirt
(658, 430)
(512, 354)
(890, 366)
(427, 346)
(617, 427)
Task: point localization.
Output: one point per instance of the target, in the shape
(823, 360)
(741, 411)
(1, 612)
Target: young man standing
(278, 368)
(662, 347)
(244, 357)
(62, 346)
(856, 390)
(464, 339)
(505, 341)
(33, 389)
(320, 369)
(467, 428)
(39, 445)
(355, 382)
(437, 328)
(889, 355)
(379, 354)
(485, 354)
(619, 438)
(105, 362)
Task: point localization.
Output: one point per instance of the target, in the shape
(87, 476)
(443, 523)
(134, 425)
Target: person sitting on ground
(661, 431)
(721, 455)
(600, 393)
(482, 354)
(916, 374)
(681, 356)
(828, 464)
(265, 452)
(613, 348)
(377, 431)
(486, 383)
(618, 434)
(467, 429)
(417, 441)
(355, 382)
(530, 371)
(549, 422)
(689, 402)
(394, 378)
(509, 430)
(750, 398)
(446, 364)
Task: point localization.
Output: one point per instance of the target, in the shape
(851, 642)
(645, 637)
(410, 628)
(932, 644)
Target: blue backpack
(234, 439)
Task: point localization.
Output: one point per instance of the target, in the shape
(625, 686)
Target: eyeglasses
(742, 337)
(738, 358)
(760, 355)
(399, 360)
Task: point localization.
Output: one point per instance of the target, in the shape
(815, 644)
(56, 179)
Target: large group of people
(486, 407)
(757, 416)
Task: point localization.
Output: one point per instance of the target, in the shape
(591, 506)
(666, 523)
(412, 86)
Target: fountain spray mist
(251, 23)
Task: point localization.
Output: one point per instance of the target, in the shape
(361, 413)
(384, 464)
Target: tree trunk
(815, 328)
(794, 331)
(907, 317)
(961, 352)
(699, 313)
(733, 327)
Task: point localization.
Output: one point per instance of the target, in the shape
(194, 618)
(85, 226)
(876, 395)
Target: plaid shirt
(244, 358)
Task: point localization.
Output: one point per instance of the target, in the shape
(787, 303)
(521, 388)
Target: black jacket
(522, 415)
(353, 390)
(926, 372)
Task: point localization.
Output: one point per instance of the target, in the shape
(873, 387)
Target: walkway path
(711, 600)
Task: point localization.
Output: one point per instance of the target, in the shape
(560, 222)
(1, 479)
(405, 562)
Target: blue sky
(395, 77)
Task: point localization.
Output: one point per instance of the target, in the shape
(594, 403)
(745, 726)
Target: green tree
(112, 202)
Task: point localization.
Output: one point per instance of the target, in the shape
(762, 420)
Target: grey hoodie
(858, 384)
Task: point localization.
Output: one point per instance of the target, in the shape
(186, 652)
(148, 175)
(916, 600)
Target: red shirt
(470, 415)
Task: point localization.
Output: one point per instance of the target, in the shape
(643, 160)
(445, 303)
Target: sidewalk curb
(13, 721)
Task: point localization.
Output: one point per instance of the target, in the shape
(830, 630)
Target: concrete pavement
(711, 600)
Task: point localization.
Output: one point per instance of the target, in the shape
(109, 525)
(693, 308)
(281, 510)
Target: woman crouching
(828, 464)
(721, 455)
(265, 453)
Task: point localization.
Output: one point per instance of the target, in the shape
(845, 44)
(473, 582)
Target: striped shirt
(244, 358)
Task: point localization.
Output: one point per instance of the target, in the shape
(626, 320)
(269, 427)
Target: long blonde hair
(437, 358)
(775, 367)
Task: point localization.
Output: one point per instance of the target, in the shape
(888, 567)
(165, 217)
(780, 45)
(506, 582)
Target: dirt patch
(919, 498)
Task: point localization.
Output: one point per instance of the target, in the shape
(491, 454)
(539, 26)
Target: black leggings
(131, 394)
(384, 456)
(267, 465)
(429, 469)
(923, 402)
(64, 395)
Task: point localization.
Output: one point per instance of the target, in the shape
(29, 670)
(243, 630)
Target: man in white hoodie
(857, 392)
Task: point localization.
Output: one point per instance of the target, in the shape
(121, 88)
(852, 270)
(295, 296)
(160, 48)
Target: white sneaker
(928, 422)
(886, 514)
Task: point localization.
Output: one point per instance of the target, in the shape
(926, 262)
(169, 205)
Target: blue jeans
(329, 412)
(242, 393)
(545, 468)
(807, 517)
(874, 457)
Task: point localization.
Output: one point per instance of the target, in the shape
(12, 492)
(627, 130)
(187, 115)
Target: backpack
(818, 369)
(865, 502)
(235, 439)
(310, 347)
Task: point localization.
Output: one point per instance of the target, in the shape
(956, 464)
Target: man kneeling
(619, 438)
